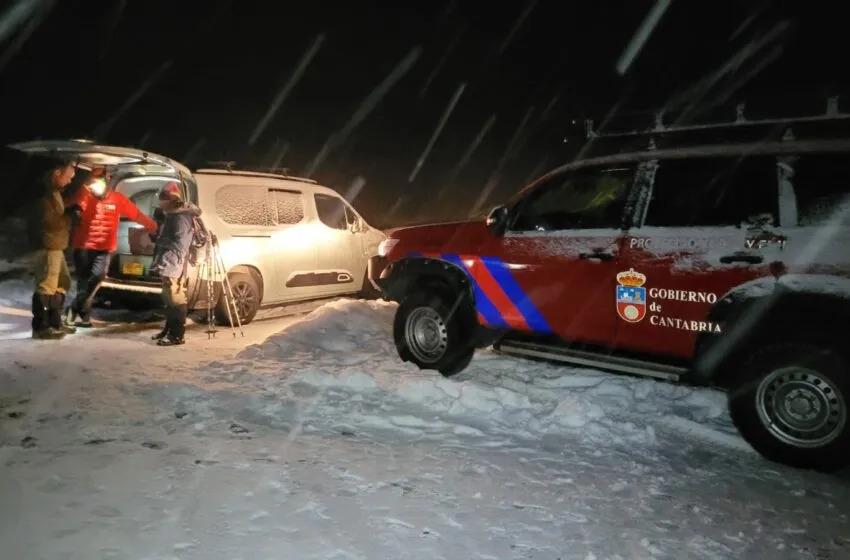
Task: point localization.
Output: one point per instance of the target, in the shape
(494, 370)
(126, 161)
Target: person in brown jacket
(51, 229)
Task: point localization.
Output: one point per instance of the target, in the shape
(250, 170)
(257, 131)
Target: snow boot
(175, 324)
(54, 314)
(76, 318)
(171, 341)
(41, 328)
(48, 334)
(161, 334)
(69, 316)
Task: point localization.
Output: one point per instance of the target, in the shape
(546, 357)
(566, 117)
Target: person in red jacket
(95, 238)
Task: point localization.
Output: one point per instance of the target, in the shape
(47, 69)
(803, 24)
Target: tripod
(214, 273)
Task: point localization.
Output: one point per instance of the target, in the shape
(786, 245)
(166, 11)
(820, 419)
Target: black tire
(452, 332)
(246, 296)
(810, 375)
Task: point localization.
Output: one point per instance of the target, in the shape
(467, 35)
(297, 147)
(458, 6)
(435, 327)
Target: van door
(247, 212)
(293, 246)
(341, 265)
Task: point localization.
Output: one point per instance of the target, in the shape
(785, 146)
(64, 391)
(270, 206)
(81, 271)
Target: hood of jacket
(187, 208)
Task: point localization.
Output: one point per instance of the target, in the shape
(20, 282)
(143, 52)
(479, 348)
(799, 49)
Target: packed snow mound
(345, 349)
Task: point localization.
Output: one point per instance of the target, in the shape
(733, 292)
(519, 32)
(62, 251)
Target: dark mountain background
(192, 80)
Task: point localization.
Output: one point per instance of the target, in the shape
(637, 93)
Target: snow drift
(319, 443)
(345, 352)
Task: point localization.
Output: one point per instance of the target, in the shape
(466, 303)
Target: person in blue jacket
(173, 241)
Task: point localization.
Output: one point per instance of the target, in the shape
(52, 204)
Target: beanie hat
(171, 191)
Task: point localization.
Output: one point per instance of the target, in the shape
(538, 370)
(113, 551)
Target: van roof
(237, 173)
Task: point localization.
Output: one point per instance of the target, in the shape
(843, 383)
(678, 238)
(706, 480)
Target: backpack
(200, 242)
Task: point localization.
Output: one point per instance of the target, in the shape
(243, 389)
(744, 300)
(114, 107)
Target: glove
(158, 215)
(152, 237)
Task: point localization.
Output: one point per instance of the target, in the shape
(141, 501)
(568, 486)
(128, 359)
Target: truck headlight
(385, 246)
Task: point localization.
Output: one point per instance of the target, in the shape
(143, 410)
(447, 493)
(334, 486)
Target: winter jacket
(97, 229)
(173, 241)
(50, 224)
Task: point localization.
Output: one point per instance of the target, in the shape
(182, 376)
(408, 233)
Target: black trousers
(90, 270)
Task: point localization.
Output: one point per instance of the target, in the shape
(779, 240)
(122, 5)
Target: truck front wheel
(791, 405)
(435, 332)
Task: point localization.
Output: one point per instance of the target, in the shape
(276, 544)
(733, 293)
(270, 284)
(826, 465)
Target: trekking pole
(208, 276)
(226, 289)
(230, 300)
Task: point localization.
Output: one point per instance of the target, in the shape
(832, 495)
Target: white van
(282, 239)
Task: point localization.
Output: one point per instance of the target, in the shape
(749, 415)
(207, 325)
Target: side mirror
(497, 219)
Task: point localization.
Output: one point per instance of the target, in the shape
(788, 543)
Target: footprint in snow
(391, 523)
(105, 511)
(241, 431)
(99, 441)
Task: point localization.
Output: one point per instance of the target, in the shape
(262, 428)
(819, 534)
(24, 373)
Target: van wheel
(246, 297)
(431, 334)
(792, 406)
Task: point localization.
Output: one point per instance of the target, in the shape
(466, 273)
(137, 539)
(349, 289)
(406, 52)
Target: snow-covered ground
(308, 439)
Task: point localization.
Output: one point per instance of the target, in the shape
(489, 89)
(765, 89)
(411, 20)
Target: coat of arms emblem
(631, 296)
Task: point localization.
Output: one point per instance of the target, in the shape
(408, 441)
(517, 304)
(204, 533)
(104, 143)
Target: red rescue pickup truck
(724, 265)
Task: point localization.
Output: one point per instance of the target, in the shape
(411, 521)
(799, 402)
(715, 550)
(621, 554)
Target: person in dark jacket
(95, 239)
(50, 231)
(170, 260)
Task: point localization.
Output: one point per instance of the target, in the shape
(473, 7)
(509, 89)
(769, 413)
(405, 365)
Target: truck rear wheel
(792, 406)
(435, 332)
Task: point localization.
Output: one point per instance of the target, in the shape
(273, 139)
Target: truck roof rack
(230, 168)
(831, 114)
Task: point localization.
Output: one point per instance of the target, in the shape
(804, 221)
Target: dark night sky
(229, 59)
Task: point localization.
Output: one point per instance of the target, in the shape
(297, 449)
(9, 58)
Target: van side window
(289, 206)
(191, 187)
(331, 210)
(715, 191)
(350, 216)
(244, 205)
(584, 199)
(822, 187)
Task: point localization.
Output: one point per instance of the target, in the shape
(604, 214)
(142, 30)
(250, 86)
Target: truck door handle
(596, 255)
(741, 258)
